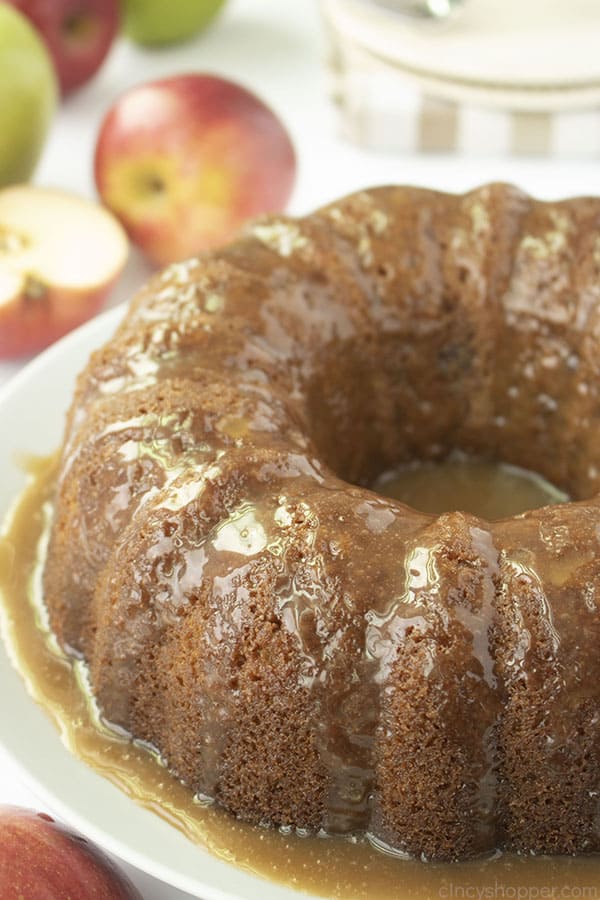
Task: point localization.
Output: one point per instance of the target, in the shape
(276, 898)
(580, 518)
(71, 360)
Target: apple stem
(77, 25)
(156, 184)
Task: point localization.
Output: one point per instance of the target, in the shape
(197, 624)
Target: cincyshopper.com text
(500, 891)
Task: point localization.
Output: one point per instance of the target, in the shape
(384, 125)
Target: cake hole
(491, 490)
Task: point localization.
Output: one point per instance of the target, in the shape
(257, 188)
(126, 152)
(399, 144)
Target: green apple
(28, 92)
(152, 22)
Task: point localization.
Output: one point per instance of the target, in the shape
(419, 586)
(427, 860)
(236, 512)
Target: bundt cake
(297, 647)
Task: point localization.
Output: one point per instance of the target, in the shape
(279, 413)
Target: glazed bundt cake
(307, 652)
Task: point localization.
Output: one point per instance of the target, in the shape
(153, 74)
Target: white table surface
(277, 49)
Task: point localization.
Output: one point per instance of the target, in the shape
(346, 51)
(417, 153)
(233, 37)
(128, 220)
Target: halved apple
(60, 256)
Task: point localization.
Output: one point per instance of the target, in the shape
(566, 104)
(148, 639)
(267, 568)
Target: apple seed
(11, 242)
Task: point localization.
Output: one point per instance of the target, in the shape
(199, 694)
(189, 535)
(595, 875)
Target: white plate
(32, 409)
(514, 53)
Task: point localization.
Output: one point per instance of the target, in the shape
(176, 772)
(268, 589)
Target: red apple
(184, 161)
(78, 33)
(59, 257)
(41, 859)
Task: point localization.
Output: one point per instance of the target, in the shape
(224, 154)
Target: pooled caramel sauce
(487, 489)
(327, 866)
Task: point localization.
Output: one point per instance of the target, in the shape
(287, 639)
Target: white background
(278, 50)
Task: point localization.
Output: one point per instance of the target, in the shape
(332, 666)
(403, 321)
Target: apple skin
(147, 24)
(185, 161)
(78, 34)
(41, 858)
(30, 323)
(28, 94)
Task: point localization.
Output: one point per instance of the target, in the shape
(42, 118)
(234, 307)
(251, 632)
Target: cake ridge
(297, 648)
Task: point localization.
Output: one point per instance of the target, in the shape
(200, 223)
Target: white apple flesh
(59, 257)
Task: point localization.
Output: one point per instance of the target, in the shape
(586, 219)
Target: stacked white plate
(537, 61)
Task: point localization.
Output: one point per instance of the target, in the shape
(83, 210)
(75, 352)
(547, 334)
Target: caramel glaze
(490, 490)
(330, 867)
(298, 648)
